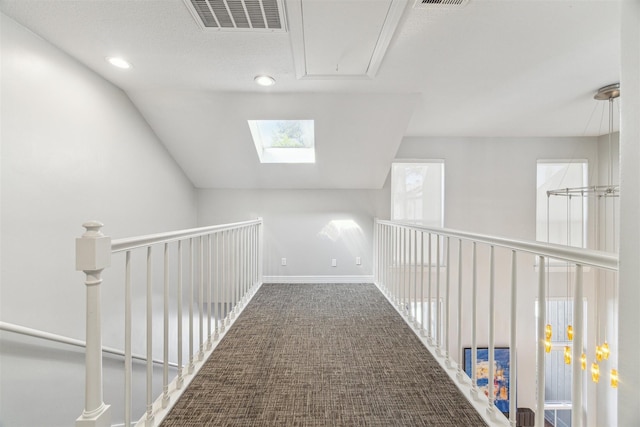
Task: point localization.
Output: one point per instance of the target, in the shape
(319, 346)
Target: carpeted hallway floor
(321, 355)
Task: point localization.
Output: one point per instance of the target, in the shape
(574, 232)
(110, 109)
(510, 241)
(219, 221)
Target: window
(417, 192)
(284, 141)
(561, 219)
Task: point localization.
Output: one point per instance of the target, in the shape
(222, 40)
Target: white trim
(318, 279)
(36, 333)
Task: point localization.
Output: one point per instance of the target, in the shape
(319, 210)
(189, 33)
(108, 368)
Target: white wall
(307, 227)
(74, 148)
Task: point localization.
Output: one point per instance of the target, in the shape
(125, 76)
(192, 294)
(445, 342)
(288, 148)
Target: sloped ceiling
(357, 136)
(494, 68)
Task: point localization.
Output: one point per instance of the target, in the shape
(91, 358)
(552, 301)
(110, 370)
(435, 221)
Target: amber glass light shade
(547, 346)
(595, 372)
(583, 361)
(547, 332)
(599, 353)
(614, 378)
(567, 355)
(570, 332)
(605, 350)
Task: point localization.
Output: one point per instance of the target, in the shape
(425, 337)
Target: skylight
(284, 141)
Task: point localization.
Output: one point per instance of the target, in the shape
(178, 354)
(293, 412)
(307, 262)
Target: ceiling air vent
(238, 15)
(425, 4)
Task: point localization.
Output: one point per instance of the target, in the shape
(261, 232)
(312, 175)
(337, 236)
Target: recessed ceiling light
(118, 62)
(264, 80)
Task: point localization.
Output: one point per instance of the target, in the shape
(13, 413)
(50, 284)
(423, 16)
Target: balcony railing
(431, 275)
(216, 269)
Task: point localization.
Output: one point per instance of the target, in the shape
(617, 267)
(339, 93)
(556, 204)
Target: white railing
(405, 256)
(223, 270)
(48, 336)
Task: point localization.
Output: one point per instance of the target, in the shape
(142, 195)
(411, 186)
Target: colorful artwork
(501, 374)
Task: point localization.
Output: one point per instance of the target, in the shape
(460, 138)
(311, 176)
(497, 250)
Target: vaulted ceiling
(369, 72)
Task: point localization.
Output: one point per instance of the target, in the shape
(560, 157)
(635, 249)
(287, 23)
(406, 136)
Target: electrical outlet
(334, 262)
(358, 260)
(283, 261)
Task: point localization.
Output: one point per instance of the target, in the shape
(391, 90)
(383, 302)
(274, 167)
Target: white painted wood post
(93, 254)
(542, 319)
(577, 381)
(513, 361)
(491, 409)
(475, 393)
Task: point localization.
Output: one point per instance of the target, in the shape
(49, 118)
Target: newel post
(93, 254)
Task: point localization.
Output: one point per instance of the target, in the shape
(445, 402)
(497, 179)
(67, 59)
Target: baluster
(93, 254)
(252, 259)
(392, 261)
(429, 326)
(234, 272)
(389, 266)
(180, 380)
(245, 264)
(201, 302)
(165, 344)
(223, 284)
(542, 318)
(578, 345)
(128, 359)
(403, 243)
(226, 267)
(447, 352)
(261, 251)
(491, 410)
(399, 275)
(191, 285)
(474, 311)
(438, 334)
(388, 260)
(380, 259)
(256, 257)
(216, 306)
(513, 361)
(376, 252)
(240, 268)
(398, 267)
(149, 416)
(407, 276)
(409, 263)
(396, 263)
(383, 259)
(209, 284)
(396, 281)
(415, 278)
(422, 329)
(460, 373)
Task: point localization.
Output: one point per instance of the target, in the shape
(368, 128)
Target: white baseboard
(317, 279)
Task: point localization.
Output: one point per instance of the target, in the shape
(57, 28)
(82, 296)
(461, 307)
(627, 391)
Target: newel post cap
(93, 249)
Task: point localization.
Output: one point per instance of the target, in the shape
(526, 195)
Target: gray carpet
(321, 355)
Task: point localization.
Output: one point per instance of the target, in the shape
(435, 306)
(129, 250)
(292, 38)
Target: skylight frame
(267, 153)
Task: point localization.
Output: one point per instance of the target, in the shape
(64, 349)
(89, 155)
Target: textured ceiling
(492, 68)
